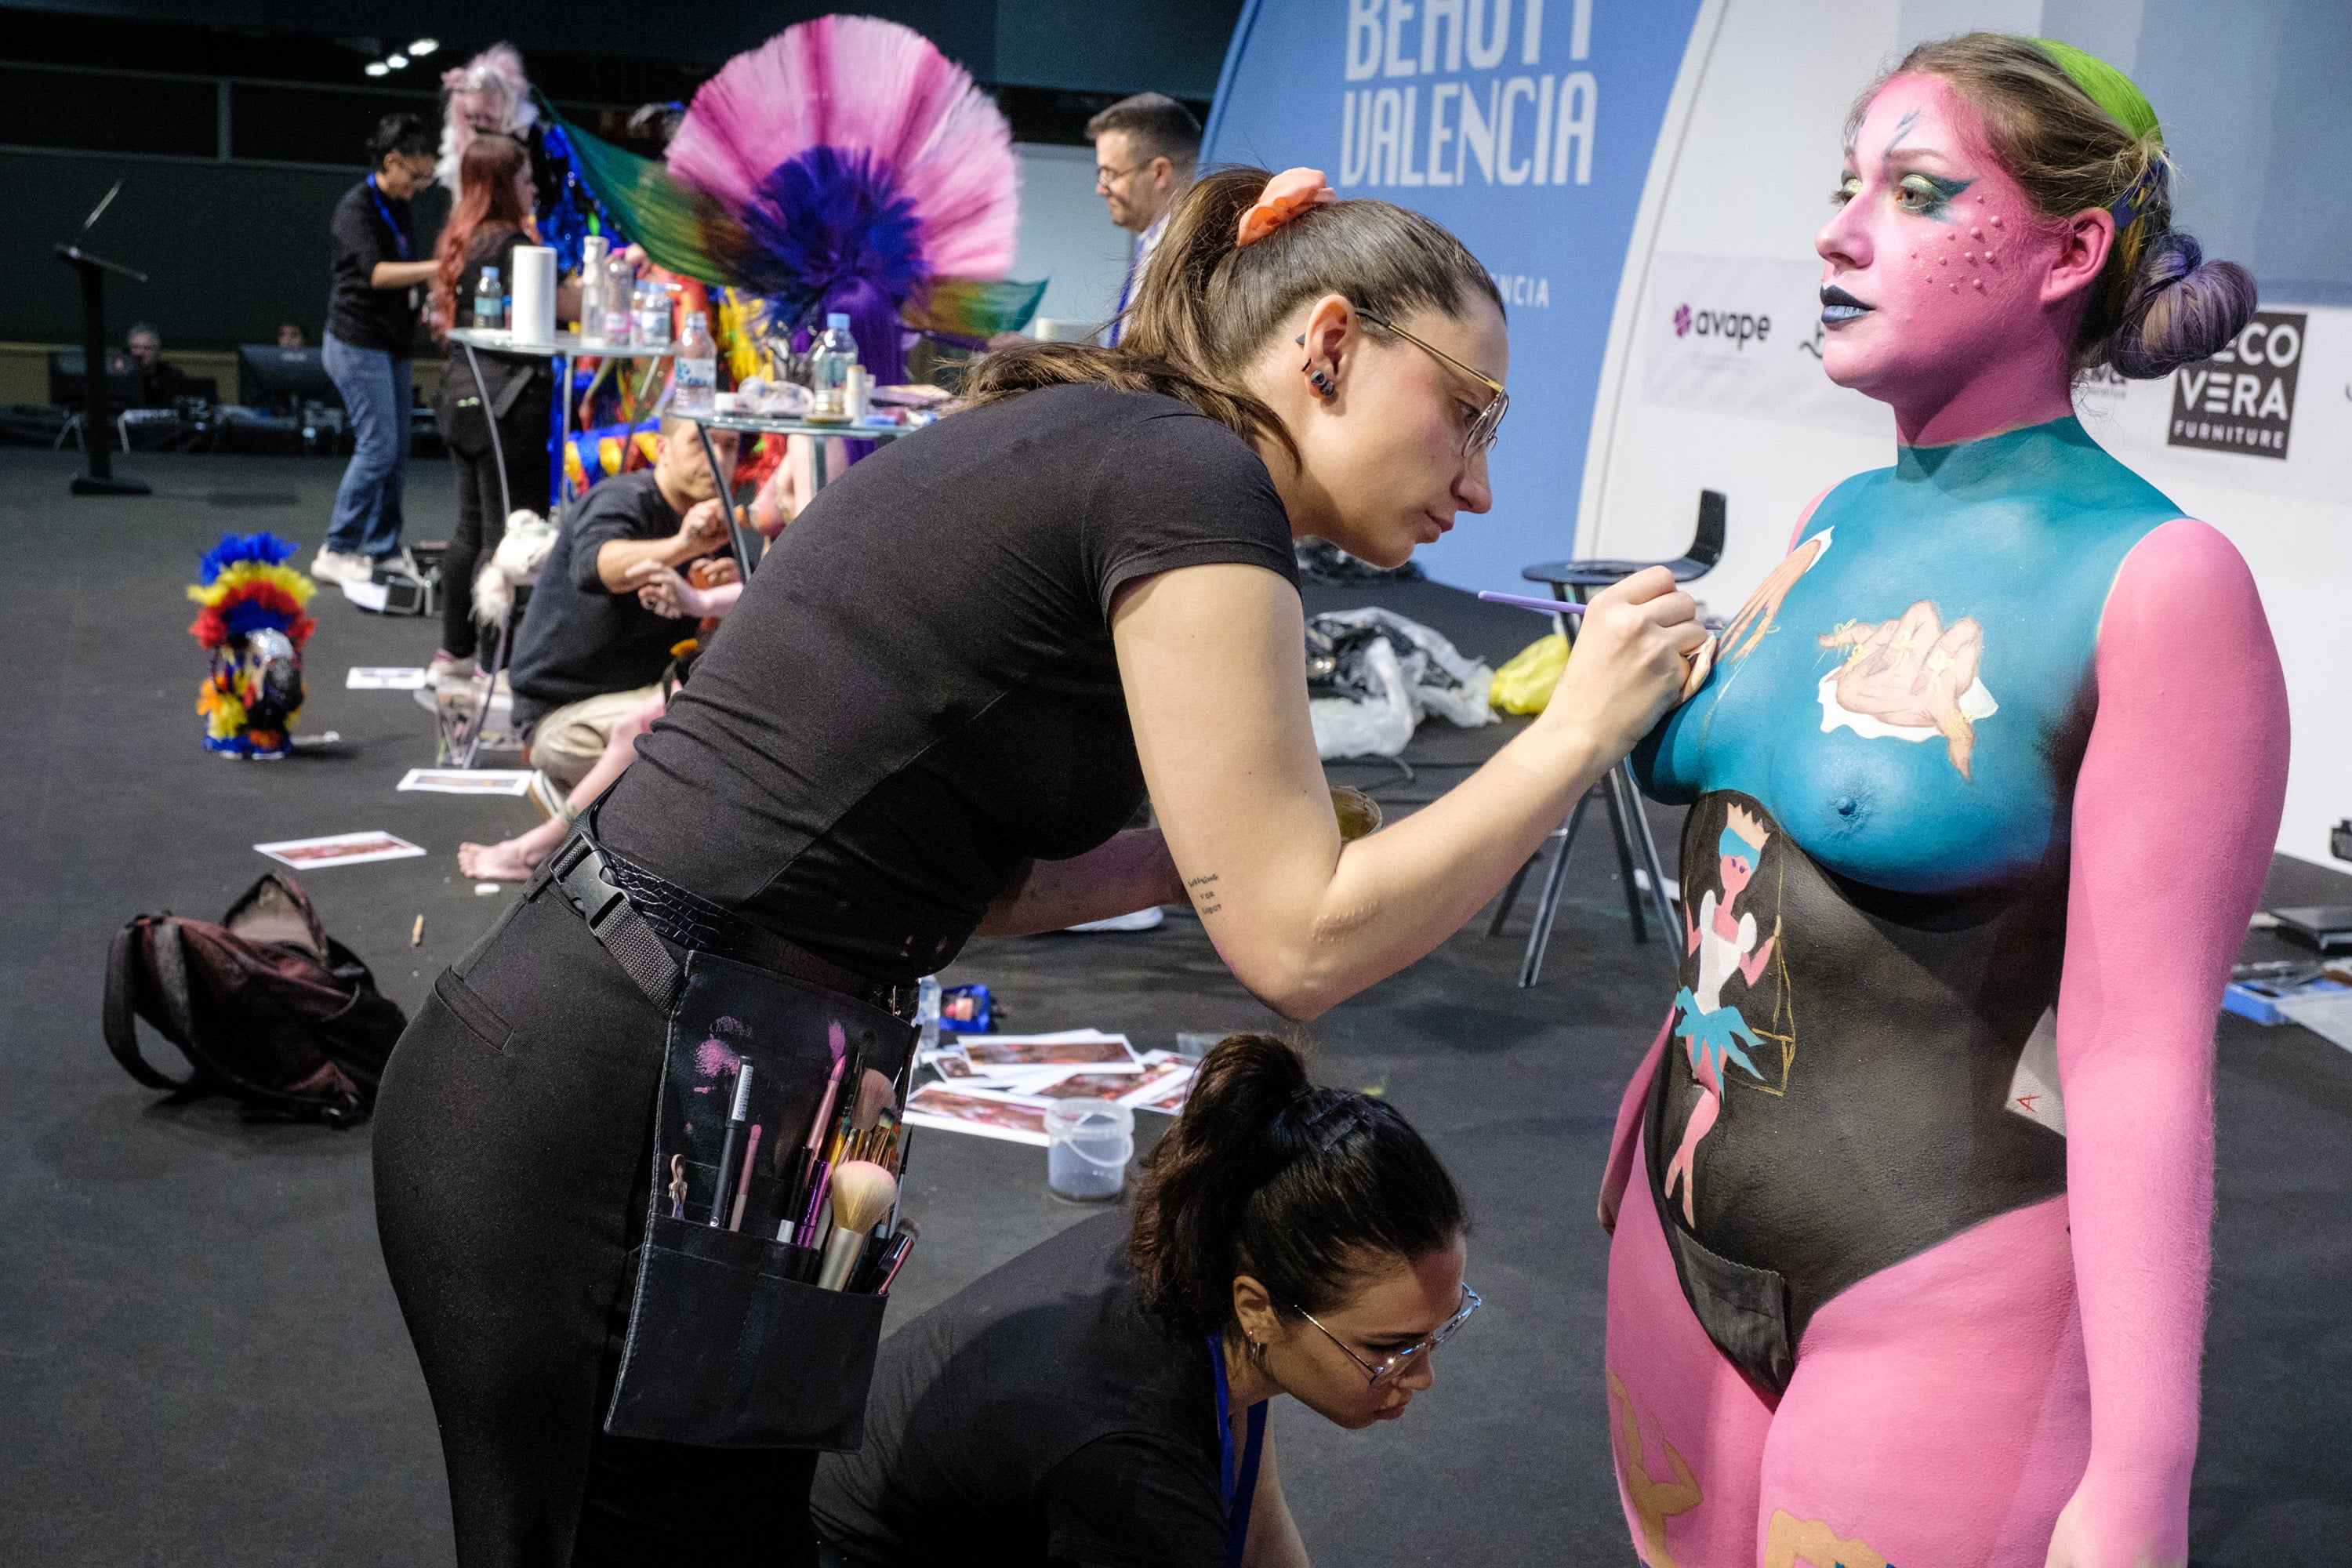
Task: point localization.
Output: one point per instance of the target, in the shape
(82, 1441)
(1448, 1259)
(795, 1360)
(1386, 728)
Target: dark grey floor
(200, 1362)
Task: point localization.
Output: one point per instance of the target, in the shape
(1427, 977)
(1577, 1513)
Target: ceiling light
(422, 46)
(377, 68)
(395, 61)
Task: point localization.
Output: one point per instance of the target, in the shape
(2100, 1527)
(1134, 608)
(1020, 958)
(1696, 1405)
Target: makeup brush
(738, 1117)
(862, 1195)
(1546, 606)
(797, 1199)
(875, 1095)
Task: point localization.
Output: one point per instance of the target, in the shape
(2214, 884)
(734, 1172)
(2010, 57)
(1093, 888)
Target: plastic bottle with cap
(490, 302)
(829, 368)
(698, 369)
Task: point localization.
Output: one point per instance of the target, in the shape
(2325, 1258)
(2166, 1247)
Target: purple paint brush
(1548, 607)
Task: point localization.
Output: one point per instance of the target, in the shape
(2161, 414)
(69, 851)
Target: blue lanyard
(399, 235)
(1240, 1493)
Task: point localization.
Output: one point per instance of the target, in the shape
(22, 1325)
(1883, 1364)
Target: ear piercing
(1323, 385)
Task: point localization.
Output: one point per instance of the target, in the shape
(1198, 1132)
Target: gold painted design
(1654, 1501)
(1791, 1541)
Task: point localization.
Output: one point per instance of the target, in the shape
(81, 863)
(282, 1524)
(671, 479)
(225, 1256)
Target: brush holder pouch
(729, 1344)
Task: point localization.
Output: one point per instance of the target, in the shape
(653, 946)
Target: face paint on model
(1941, 293)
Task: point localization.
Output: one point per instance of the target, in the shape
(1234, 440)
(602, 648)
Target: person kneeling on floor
(1101, 1398)
(591, 652)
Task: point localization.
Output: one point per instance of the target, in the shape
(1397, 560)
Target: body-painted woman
(1911, 1198)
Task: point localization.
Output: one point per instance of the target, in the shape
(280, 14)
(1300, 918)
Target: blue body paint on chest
(1912, 709)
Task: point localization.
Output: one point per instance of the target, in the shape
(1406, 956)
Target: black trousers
(513, 1136)
(482, 513)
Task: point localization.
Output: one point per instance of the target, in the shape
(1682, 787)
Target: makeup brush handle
(840, 1257)
(1548, 607)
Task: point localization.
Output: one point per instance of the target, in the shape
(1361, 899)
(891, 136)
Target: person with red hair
(492, 215)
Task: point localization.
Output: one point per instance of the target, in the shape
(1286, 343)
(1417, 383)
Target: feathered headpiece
(846, 164)
(253, 625)
(489, 93)
(245, 586)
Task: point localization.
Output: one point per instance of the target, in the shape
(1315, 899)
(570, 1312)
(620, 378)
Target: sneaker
(1141, 920)
(448, 667)
(342, 566)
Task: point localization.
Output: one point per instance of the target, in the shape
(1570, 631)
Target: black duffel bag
(266, 1006)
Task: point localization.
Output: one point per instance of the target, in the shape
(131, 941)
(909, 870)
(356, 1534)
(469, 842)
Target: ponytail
(1302, 1188)
(1207, 306)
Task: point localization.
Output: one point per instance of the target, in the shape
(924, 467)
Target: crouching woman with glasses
(1101, 1399)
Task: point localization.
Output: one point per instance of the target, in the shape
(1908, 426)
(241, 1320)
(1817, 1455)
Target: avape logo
(1736, 327)
(2242, 399)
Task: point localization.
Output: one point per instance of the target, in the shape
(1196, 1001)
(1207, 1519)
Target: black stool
(1573, 582)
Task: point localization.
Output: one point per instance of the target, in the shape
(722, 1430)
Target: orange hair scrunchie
(1286, 195)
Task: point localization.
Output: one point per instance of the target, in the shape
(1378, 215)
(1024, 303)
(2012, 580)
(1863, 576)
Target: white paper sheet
(339, 849)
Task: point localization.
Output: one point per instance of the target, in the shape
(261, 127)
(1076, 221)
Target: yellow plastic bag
(1524, 685)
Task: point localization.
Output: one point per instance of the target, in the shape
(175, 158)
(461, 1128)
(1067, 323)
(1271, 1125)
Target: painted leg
(1688, 1430)
(1680, 1169)
(1941, 1409)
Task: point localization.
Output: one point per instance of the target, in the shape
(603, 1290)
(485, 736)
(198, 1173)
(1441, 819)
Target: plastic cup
(1091, 1142)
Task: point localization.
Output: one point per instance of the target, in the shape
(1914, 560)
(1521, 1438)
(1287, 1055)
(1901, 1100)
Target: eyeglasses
(1105, 178)
(1390, 1365)
(1483, 429)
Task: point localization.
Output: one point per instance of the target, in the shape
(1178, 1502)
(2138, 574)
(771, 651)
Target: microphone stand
(96, 431)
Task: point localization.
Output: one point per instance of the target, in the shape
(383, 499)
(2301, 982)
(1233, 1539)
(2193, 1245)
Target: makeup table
(728, 418)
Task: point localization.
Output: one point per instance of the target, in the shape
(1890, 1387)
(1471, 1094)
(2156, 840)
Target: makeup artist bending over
(973, 654)
(1101, 1398)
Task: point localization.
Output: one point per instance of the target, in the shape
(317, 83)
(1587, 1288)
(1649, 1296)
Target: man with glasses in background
(1146, 148)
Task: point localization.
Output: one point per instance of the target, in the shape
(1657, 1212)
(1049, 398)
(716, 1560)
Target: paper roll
(533, 319)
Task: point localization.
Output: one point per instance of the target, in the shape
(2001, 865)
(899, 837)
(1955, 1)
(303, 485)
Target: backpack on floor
(266, 1006)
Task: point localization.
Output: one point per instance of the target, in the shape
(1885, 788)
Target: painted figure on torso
(1966, 742)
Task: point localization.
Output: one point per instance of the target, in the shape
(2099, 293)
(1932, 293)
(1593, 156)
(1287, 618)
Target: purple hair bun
(2183, 308)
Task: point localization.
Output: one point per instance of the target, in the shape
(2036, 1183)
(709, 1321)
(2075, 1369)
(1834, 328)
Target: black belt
(639, 916)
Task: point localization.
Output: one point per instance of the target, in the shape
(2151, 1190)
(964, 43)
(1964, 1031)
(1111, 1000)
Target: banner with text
(1527, 127)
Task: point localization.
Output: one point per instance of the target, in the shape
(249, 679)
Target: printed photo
(468, 781)
(977, 1111)
(339, 849)
(383, 677)
(985, 1051)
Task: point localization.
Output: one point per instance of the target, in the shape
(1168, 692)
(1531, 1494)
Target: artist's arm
(700, 532)
(2176, 815)
(1209, 656)
(661, 590)
(401, 274)
(1274, 1538)
(1130, 872)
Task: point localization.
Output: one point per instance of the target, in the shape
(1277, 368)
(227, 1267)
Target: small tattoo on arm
(1207, 897)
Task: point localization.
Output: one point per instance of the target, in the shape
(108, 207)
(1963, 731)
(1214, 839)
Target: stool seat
(1706, 550)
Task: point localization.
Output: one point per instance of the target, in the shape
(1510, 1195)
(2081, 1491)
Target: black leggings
(513, 1146)
(481, 514)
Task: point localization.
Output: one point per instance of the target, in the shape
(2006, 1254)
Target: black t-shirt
(1041, 1415)
(579, 638)
(506, 377)
(918, 691)
(362, 316)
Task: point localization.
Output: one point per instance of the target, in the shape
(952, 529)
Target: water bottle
(593, 251)
(490, 302)
(698, 370)
(829, 368)
(653, 315)
(620, 282)
(926, 1007)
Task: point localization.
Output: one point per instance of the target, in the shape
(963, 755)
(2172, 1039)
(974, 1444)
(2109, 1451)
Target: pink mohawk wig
(884, 99)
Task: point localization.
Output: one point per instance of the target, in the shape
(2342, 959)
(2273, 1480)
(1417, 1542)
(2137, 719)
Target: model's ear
(2085, 243)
